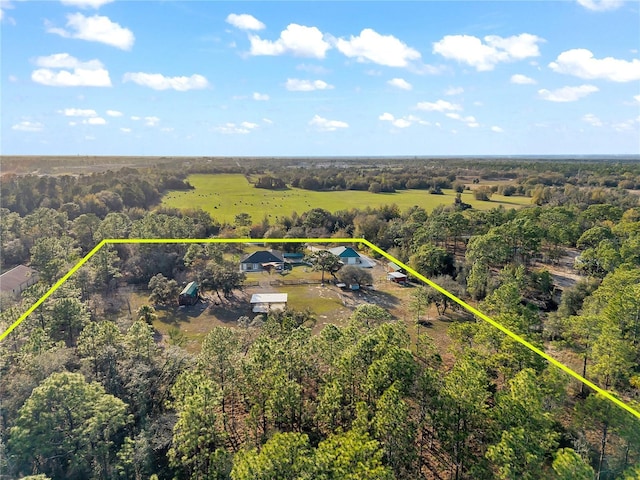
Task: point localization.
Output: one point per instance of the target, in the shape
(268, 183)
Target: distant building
(261, 260)
(397, 277)
(347, 254)
(294, 258)
(18, 279)
(393, 267)
(189, 295)
(265, 302)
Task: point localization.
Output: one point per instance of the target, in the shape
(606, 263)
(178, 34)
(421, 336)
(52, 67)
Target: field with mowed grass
(226, 195)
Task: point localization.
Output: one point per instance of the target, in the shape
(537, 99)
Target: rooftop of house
(344, 252)
(15, 277)
(263, 256)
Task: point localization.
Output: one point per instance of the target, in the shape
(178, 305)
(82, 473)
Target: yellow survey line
(82, 261)
(373, 247)
(505, 330)
(160, 240)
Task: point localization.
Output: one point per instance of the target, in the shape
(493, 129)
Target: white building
(265, 302)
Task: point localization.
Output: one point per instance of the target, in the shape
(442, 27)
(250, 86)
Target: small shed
(189, 295)
(264, 302)
(18, 279)
(397, 277)
(393, 267)
(293, 258)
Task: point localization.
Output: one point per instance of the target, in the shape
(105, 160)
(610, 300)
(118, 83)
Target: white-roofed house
(265, 302)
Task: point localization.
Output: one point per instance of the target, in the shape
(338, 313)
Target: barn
(189, 295)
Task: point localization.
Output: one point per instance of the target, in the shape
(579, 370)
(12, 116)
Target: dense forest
(87, 392)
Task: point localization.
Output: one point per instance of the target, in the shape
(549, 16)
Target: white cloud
(27, 126)
(373, 73)
(13, 78)
(485, 56)
(134, 118)
(297, 85)
(151, 121)
(496, 129)
(438, 106)
(260, 96)
(267, 121)
(125, 130)
(401, 123)
(245, 22)
(454, 91)
(325, 125)
(567, 94)
(82, 74)
(637, 98)
(381, 49)
(95, 121)
(580, 62)
(86, 3)
(624, 126)
(114, 113)
(522, 79)
(600, 5)
(400, 83)
(73, 124)
(592, 120)
(157, 81)
(96, 29)
(231, 128)
(167, 129)
(78, 112)
(249, 125)
(90, 116)
(469, 120)
(296, 40)
(64, 60)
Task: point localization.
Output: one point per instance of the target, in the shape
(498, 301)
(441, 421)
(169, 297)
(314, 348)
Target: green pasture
(226, 195)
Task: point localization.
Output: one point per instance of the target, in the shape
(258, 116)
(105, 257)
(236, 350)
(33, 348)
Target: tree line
(89, 393)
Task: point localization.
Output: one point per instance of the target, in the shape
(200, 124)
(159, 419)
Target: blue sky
(101, 77)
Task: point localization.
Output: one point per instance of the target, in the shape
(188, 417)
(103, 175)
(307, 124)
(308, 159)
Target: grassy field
(227, 195)
(329, 304)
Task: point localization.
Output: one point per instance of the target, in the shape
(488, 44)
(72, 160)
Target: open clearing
(329, 304)
(226, 195)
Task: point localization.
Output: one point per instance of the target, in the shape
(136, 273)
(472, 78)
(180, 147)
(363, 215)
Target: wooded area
(90, 392)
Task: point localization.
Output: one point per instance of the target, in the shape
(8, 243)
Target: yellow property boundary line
(362, 241)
